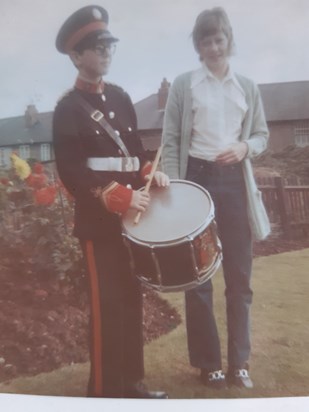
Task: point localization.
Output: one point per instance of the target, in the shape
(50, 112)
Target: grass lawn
(280, 342)
(280, 335)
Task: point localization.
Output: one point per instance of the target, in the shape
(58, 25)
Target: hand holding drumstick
(161, 179)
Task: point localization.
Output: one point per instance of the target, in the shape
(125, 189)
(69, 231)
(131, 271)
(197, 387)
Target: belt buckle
(97, 115)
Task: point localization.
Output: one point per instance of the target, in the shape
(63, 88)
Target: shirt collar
(84, 85)
(203, 73)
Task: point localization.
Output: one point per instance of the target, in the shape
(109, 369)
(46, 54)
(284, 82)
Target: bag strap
(98, 117)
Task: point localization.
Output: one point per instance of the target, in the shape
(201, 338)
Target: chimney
(31, 116)
(163, 93)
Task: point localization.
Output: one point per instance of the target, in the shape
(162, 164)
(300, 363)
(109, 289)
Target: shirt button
(117, 132)
(129, 128)
(103, 98)
(111, 115)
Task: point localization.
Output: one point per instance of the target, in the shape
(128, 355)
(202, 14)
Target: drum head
(174, 213)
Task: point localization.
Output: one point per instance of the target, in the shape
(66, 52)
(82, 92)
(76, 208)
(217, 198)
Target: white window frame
(45, 152)
(24, 151)
(302, 140)
(301, 133)
(5, 153)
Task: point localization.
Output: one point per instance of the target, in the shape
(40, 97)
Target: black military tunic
(116, 346)
(78, 137)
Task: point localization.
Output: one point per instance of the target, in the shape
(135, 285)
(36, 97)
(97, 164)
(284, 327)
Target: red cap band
(81, 33)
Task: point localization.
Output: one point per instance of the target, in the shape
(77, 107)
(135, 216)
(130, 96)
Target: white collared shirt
(219, 107)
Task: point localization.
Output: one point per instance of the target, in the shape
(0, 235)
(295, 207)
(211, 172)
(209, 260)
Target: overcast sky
(271, 39)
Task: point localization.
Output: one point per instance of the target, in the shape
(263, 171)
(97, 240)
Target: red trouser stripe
(96, 318)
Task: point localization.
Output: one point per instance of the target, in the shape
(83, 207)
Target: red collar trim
(96, 88)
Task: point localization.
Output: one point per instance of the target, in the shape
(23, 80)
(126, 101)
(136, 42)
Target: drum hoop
(182, 239)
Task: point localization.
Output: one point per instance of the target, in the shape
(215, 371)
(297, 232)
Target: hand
(140, 200)
(161, 179)
(234, 154)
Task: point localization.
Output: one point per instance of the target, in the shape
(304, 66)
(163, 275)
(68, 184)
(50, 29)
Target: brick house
(286, 109)
(287, 113)
(30, 136)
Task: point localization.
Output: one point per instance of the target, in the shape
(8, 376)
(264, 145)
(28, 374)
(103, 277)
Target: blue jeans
(227, 189)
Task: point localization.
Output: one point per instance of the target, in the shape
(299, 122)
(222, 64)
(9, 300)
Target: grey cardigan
(177, 131)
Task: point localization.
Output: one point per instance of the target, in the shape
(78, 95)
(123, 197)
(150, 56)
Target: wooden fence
(287, 204)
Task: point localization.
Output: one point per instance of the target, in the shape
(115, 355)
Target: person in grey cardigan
(214, 124)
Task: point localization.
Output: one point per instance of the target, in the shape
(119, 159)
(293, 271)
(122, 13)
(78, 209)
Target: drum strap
(98, 117)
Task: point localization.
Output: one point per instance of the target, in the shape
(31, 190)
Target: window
(24, 152)
(301, 134)
(302, 140)
(45, 152)
(5, 157)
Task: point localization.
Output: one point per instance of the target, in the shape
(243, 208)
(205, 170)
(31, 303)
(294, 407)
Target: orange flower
(36, 181)
(38, 168)
(45, 196)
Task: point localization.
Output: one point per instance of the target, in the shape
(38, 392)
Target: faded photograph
(154, 199)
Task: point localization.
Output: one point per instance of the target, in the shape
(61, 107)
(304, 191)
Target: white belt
(114, 164)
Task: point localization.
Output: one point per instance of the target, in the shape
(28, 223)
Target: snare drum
(175, 246)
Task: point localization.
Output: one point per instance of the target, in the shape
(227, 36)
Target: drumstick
(148, 184)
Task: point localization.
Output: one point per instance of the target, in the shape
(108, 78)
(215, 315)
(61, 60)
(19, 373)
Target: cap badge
(97, 14)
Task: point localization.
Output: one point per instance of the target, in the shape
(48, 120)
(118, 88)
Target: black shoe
(240, 378)
(213, 379)
(140, 391)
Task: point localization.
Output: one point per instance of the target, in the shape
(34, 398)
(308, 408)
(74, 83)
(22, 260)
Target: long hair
(210, 22)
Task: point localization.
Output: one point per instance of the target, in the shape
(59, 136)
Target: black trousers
(116, 334)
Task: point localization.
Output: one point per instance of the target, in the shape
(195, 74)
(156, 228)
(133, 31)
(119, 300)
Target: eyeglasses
(101, 50)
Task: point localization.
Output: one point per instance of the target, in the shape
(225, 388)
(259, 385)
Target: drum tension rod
(157, 265)
(193, 257)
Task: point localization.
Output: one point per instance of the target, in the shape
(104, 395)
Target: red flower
(38, 168)
(4, 181)
(36, 181)
(45, 196)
